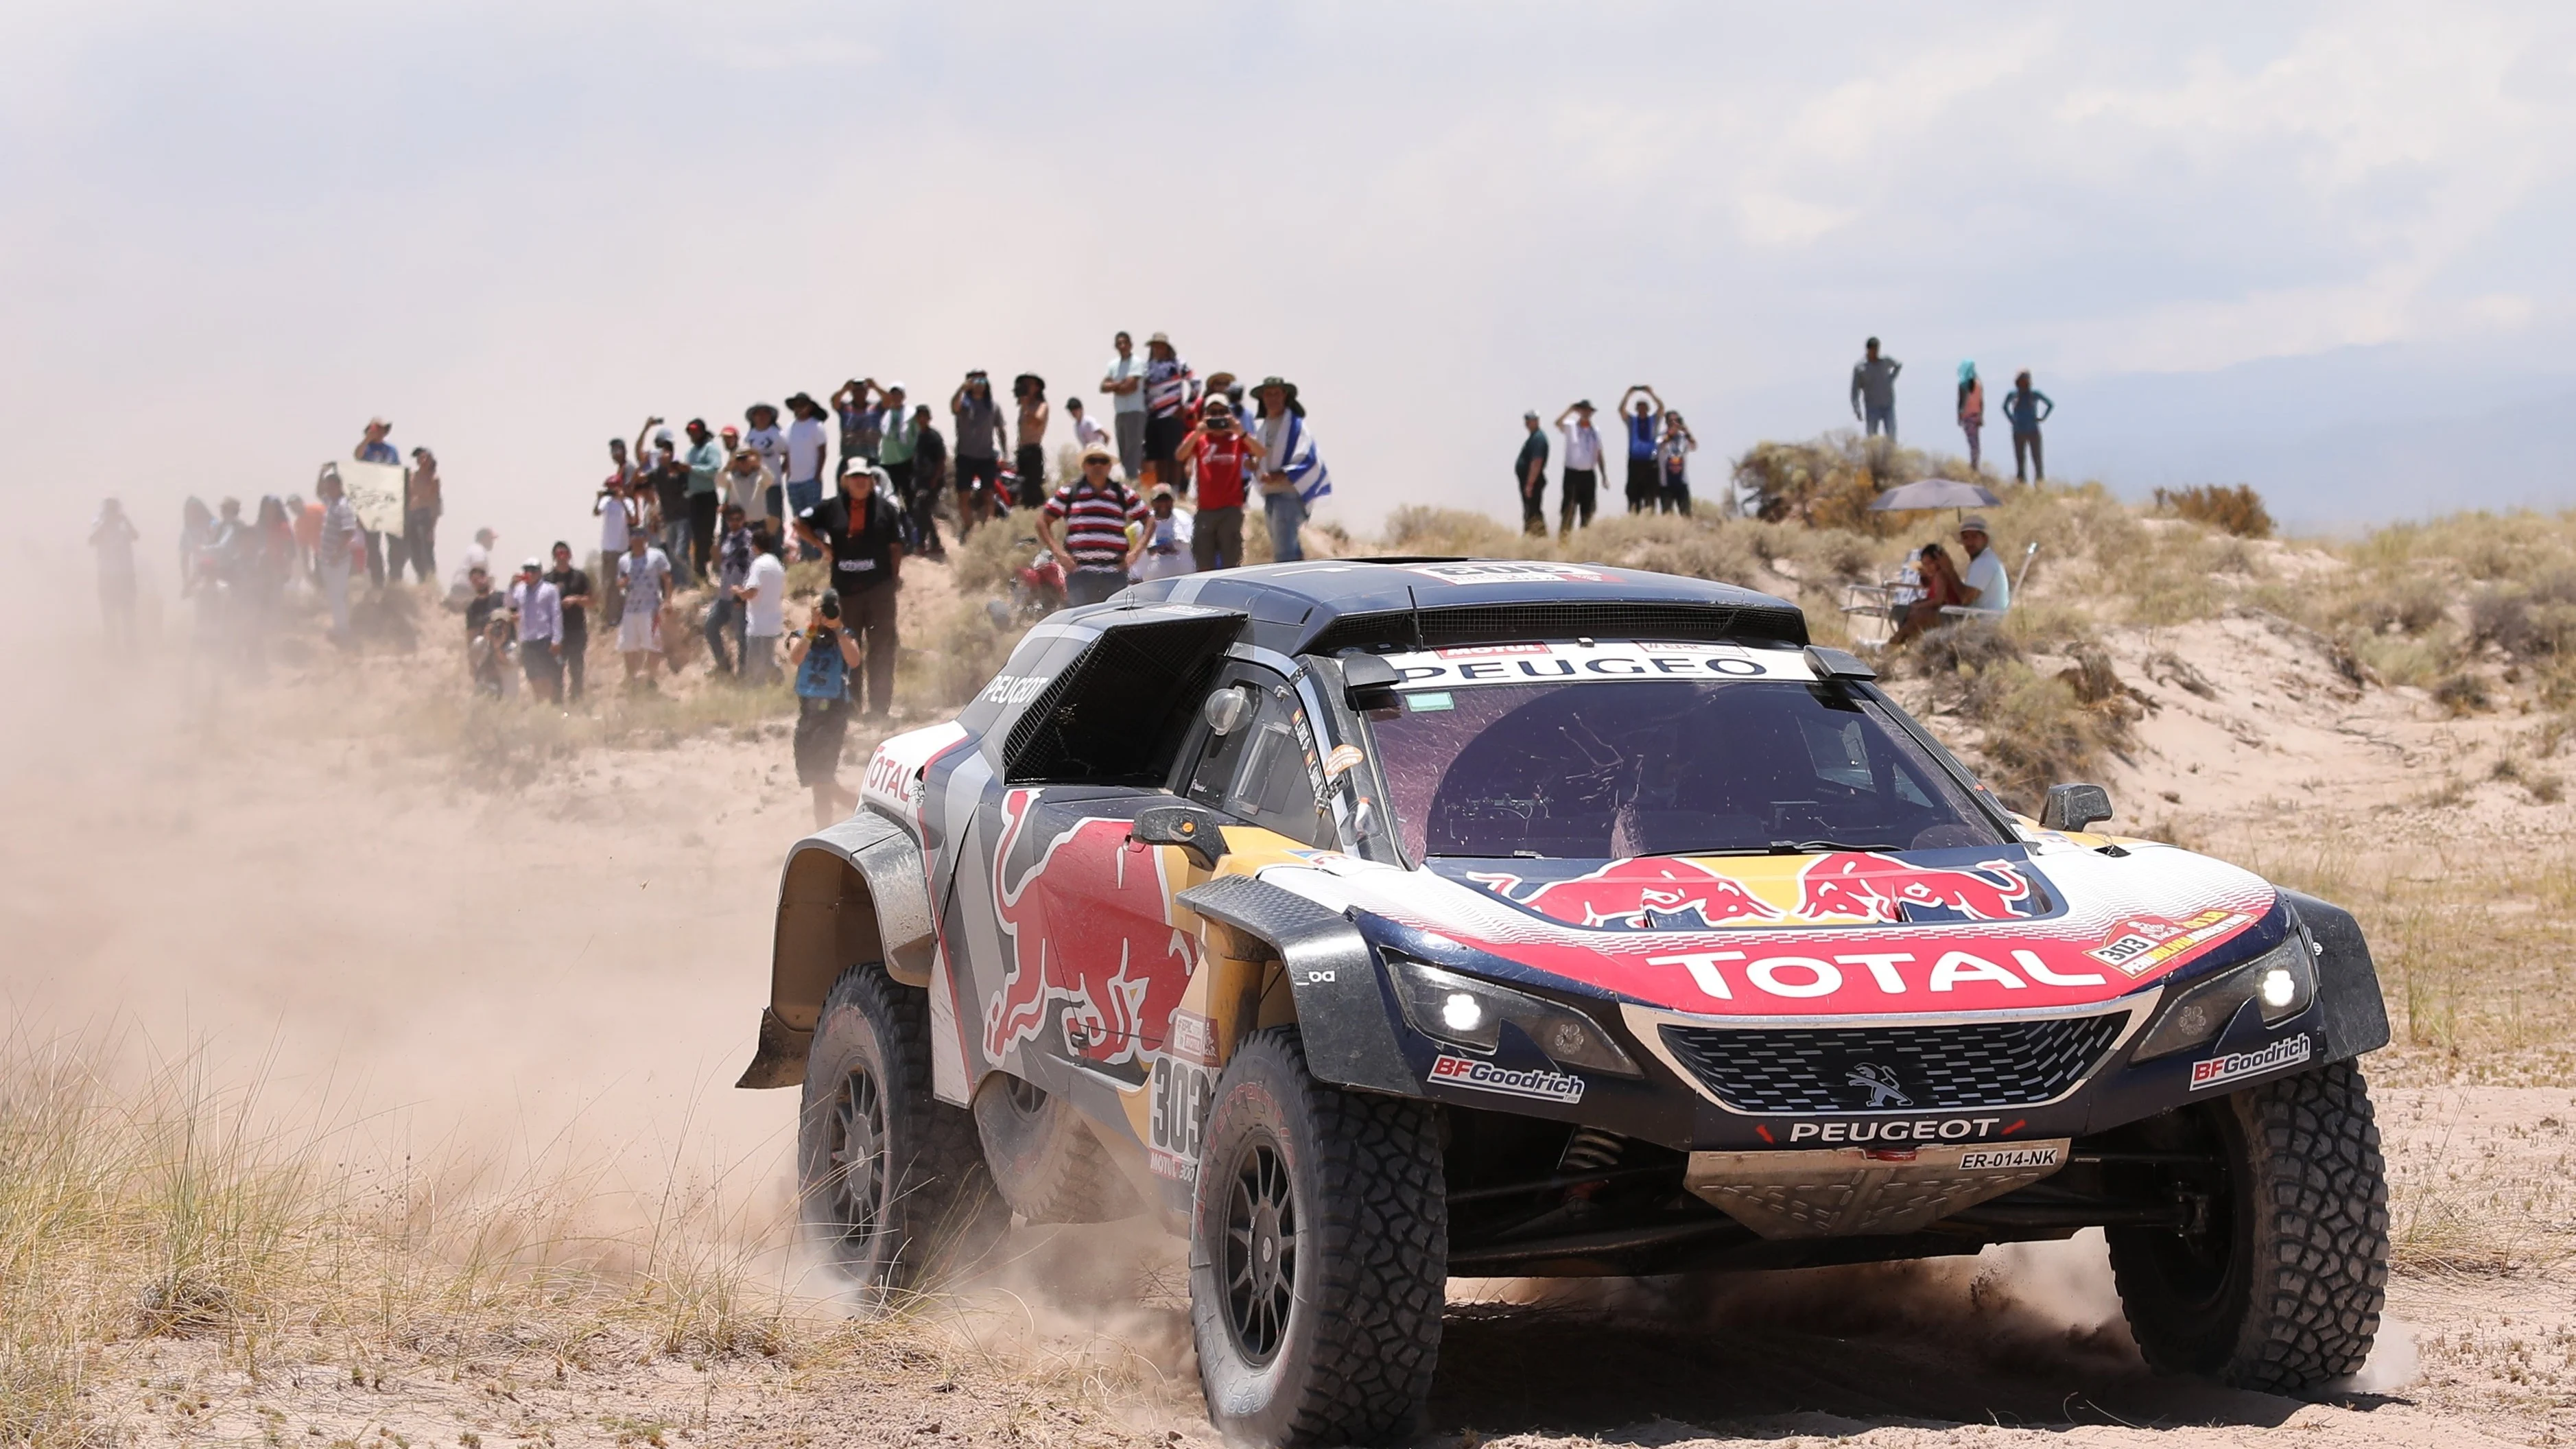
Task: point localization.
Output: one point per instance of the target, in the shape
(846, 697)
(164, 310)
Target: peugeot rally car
(1373, 922)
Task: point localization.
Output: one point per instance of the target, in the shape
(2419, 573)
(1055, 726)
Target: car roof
(1327, 605)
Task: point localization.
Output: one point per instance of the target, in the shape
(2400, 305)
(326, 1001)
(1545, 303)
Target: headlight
(1470, 1013)
(2282, 980)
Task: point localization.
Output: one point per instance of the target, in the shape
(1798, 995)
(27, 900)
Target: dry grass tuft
(2238, 510)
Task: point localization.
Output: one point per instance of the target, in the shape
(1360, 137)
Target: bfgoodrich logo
(1486, 1077)
(2287, 1052)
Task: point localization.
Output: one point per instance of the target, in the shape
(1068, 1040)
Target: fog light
(1461, 1012)
(2279, 989)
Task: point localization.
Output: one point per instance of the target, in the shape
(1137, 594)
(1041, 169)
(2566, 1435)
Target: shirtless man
(1030, 459)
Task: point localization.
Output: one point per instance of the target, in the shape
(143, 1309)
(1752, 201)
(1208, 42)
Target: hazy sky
(233, 232)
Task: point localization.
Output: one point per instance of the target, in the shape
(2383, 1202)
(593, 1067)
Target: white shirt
(1988, 581)
(1086, 432)
(771, 445)
(645, 579)
(805, 451)
(614, 521)
(749, 492)
(1582, 446)
(1121, 369)
(1167, 551)
(766, 614)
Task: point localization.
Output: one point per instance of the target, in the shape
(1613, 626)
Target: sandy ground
(458, 961)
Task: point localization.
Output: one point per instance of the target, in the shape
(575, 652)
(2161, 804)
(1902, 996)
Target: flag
(1303, 465)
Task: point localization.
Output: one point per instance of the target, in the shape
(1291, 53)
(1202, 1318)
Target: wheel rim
(1260, 1252)
(1027, 1098)
(855, 1188)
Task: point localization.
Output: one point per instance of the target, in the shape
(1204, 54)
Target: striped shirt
(1167, 387)
(1095, 521)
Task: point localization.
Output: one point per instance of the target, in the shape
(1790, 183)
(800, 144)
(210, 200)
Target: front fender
(851, 892)
(1345, 1015)
(2356, 1014)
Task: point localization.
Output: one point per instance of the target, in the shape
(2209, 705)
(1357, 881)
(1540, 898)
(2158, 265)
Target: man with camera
(863, 534)
(1221, 454)
(824, 653)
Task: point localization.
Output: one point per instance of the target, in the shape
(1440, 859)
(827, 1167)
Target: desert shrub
(2410, 604)
(1444, 532)
(2528, 621)
(984, 561)
(2462, 693)
(967, 648)
(2238, 510)
(1828, 482)
(1692, 547)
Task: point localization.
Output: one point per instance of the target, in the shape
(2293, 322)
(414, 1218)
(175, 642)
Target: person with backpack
(823, 654)
(861, 529)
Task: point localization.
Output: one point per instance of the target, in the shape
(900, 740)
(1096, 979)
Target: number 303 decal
(1183, 1092)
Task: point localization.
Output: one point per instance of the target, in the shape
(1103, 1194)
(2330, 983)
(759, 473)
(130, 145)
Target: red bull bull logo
(1089, 927)
(1658, 894)
(1867, 886)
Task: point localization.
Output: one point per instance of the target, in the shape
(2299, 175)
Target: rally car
(1373, 922)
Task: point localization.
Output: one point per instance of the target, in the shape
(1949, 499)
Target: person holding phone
(1221, 454)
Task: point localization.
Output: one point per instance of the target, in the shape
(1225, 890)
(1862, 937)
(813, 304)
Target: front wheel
(892, 1185)
(2278, 1281)
(1319, 1251)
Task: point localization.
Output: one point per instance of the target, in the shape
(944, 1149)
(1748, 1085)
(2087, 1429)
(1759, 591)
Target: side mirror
(1368, 682)
(2072, 807)
(1188, 826)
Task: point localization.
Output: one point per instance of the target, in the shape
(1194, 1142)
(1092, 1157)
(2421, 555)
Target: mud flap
(1345, 1015)
(779, 1060)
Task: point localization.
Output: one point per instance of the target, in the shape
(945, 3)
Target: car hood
(1844, 932)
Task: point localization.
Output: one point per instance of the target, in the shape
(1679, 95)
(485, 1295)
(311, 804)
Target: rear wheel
(2278, 1281)
(1319, 1248)
(1045, 1158)
(892, 1186)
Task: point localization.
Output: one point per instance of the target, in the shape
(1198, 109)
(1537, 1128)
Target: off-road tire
(930, 1206)
(1351, 1357)
(1045, 1158)
(2290, 1302)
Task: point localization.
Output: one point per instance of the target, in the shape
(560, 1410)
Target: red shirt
(1221, 462)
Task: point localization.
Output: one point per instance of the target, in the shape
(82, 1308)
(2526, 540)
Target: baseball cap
(529, 565)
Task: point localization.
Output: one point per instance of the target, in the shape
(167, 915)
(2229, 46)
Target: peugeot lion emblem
(1883, 1091)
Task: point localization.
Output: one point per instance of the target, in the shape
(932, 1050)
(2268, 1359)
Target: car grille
(1916, 1068)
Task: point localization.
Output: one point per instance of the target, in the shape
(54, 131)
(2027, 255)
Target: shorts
(1163, 434)
(821, 725)
(971, 471)
(639, 633)
(1645, 481)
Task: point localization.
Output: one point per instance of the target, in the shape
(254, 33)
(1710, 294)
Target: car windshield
(1610, 768)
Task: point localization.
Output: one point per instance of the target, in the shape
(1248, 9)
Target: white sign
(376, 491)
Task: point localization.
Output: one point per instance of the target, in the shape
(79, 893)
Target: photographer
(823, 654)
(1221, 454)
(863, 533)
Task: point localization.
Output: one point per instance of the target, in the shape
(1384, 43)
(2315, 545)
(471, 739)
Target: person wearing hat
(766, 439)
(374, 447)
(422, 506)
(1170, 536)
(1029, 458)
(1984, 585)
(1582, 469)
(1287, 457)
(1167, 405)
(861, 529)
(538, 607)
(1085, 526)
(1529, 475)
(1221, 453)
(806, 446)
(1124, 382)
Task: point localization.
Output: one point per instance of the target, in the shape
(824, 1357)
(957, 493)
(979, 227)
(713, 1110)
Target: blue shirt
(2027, 409)
(378, 453)
(1641, 435)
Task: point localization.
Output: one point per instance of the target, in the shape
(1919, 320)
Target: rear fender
(851, 892)
(2356, 1015)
